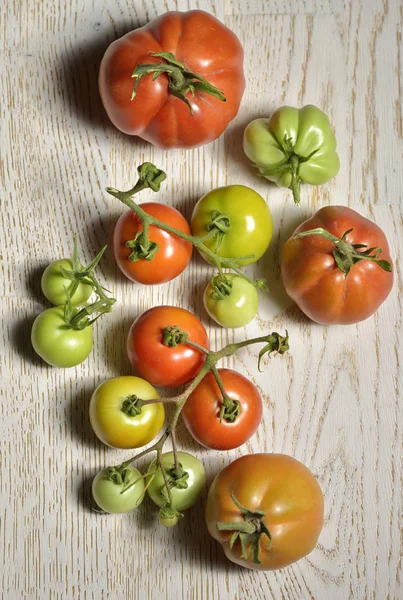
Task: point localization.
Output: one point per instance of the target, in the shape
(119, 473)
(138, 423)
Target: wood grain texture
(335, 402)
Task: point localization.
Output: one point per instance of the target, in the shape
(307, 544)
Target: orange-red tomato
(205, 47)
(201, 412)
(290, 498)
(313, 279)
(173, 254)
(160, 364)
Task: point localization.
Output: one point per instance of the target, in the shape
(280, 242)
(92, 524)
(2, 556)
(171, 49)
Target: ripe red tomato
(160, 364)
(291, 505)
(204, 47)
(173, 254)
(201, 412)
(313, 278)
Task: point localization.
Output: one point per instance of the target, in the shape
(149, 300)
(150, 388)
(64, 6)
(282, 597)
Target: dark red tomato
(198, 45)
(201, 412)
(160, 364)
(312, 267)
(173, 254)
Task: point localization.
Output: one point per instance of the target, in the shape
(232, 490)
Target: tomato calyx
(275, 343)
(230, 409)
(220, 224)
(290, 164)
(132, 405)
(347, 255)
(180, 79)
(248, 532)
(172, 336)
(119, 475)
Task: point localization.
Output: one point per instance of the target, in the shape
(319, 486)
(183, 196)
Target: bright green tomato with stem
(293, 146)
(118, 417)
(121, 493)
(54, 284)
(168, 521)
(185, 485)
(56, 343)
(241, 218)
(231, 301)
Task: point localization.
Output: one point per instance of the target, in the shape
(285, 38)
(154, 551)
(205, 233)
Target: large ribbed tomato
(266, 510)
(341, 271)
(183, 98)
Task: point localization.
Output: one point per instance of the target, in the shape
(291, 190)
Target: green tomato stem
(180, 79)
(345, 254)
(230, 409)
(151, 177)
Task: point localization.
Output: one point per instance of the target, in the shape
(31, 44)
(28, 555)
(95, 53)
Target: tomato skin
(173, 254)
(250, 217)
(313, 280)
(108, 495)
(202, 409)
(55, 343)
(236, 310)
(288, 493)
(159, 364)
(207, 48)
(53, 284)
(182, 499)
(112, 425)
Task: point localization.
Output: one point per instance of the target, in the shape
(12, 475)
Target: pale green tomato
(56, 343)
(120, 497)
(189, 486)
(53, 284)
(293, 146)
(234, 303)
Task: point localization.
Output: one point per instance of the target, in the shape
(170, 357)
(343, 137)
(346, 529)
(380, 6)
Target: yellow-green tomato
(293, 146)
(117, 416)
(241, 219)
(54, 284)
(58, 344)
(231, 302)
(119, 493)
(185, 486)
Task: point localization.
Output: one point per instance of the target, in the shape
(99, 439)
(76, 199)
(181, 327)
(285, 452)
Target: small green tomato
(54, 284)
(231, 301)
(117, 490)
(56, 343)
(185, 486)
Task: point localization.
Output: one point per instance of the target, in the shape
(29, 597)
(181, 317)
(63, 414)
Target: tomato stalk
(79, 319)
(274, 342)
(248, 532)
(180, 79)
(142, 248)
(345, 254)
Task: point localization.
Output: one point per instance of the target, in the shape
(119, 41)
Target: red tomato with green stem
(158, 354)
(177, 82)
(223, 419)
(165, 261)
(337, 266)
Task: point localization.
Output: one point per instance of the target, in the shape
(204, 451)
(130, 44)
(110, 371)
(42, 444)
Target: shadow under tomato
(20, 339)
(78, 416)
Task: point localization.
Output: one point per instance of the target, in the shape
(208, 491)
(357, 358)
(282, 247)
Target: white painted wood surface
(333, 403)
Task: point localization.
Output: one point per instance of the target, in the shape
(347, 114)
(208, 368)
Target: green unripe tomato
(53, 284)
(231, 303)
(120, 497)
(249, 226)
(58, 345)
(293, 146)
(189, 486)
(168, 521)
